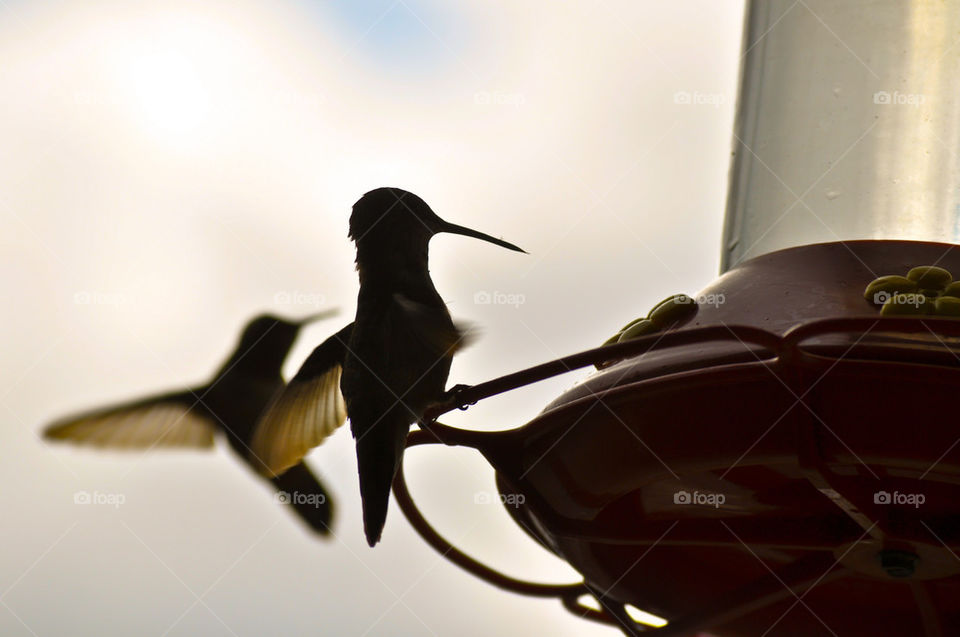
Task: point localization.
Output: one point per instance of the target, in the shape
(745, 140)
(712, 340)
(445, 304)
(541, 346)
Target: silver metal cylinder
(848, 125)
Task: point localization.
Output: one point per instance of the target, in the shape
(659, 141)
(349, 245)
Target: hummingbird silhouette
(390, 364)
(231, 403)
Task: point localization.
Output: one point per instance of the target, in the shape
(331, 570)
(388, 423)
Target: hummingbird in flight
(390, 364)
(231, 403)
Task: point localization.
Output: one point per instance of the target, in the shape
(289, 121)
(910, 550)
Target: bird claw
(452, 397)
(448, 400)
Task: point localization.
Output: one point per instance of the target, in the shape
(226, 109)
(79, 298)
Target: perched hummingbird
(394, 358)
(231, 403)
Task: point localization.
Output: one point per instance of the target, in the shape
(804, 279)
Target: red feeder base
(785, 463)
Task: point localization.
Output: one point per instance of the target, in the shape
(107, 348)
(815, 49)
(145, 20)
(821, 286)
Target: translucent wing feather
(309, 408)
(170, 420)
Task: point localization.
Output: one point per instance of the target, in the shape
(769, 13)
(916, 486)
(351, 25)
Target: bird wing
(309, 408)
(176, 419)
(430, 327)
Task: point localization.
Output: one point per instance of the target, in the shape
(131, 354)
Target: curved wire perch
(568, 594)
(465, 395)
(461, 559)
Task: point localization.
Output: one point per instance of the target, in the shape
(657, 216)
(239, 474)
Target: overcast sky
(168, 169)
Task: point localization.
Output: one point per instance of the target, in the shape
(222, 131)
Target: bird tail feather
(300, 488)
(379, 452)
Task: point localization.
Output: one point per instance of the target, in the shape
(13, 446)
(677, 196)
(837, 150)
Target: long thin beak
(467, 232)
(318, 316)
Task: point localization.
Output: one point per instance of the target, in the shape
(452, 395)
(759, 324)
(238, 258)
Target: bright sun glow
(169, 93)
(175, 70)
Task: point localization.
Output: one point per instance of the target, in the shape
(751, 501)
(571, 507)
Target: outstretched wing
(309, 408)
(176, 419)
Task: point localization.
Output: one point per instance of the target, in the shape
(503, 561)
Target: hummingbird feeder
(779, 454)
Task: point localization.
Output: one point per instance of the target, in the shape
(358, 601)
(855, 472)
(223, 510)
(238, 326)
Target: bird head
(267, 339)
(392, 217)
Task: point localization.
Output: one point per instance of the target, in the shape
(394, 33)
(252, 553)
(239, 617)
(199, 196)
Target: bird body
(231, 403)
(392, 362)
(397, 363)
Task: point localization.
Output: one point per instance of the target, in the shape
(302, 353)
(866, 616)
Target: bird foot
(448, 400)
(452, 397)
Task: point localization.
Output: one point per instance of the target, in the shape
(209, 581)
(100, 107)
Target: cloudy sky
(168, 169)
